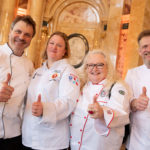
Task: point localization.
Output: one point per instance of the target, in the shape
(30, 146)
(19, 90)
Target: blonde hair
(111, 77)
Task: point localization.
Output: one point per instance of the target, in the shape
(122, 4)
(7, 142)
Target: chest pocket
(49, 85)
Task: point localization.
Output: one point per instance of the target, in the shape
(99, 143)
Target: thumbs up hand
(37, 107)
(95, 110)
(141, 102)
(5, 89)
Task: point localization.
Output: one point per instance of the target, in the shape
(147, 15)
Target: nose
(21, 36)
(54, 46)
(95, 67)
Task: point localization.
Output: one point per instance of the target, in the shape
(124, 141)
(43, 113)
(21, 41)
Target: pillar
(8, 10)
(110, 43)
(36, 10)
(139, 20)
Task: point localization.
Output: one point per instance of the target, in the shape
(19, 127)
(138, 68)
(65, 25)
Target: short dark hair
(65, 38)
(27, 19)
(143, 34)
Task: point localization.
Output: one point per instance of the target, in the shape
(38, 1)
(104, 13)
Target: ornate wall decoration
(79, 48)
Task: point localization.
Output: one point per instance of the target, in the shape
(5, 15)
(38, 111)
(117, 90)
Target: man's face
(144, 50)
(20, 37)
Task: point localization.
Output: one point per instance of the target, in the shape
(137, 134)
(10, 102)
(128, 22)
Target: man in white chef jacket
(15, 73)
(139, 80)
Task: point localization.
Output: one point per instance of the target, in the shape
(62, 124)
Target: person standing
(15, 74)
(139, 80)
(52, 96)
(102, 111)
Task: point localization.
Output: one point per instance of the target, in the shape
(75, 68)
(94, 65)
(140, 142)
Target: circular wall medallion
(79, 48)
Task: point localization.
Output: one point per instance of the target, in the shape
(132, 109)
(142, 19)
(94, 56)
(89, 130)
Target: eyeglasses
(98, 66)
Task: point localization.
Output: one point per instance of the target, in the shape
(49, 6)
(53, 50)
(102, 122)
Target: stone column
(139, 20)
(7, 14)
(36, 10)
(110, 43)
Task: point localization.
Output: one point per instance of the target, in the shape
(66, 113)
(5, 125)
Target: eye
(59, 45)
(90, 65)
(28, 35)
(18, 31)
(100, 65)
(144, 46)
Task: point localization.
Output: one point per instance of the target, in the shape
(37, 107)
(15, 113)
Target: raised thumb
(8, 78)
(144, 90)
(95, 98)
(39, 98)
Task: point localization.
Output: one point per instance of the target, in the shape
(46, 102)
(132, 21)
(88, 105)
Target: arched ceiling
(52, 6)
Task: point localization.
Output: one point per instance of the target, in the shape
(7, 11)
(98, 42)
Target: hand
(140, 103)
(6, 90)
(37, 107)
(95, 110)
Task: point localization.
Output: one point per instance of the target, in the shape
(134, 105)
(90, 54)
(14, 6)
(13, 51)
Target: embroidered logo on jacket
(74, 79)
(54, 75)
(122, 92)
(103, 93)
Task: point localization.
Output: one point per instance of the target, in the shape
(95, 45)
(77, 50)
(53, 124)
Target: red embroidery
(54, 76)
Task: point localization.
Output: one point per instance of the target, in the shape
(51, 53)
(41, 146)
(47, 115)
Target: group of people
(54, 107)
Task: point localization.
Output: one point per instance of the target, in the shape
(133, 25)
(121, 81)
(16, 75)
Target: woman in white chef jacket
(102, 110)
(51, 97)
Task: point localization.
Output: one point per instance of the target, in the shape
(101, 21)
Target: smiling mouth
(53, 51)
(147, 53)
(20, 42)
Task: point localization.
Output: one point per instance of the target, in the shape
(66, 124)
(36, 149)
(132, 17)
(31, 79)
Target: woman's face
(96, 68)
(56, 48)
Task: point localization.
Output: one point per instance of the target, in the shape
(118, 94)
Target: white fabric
(137, 78)
(91, 134)
(22, 68)
(58, 95)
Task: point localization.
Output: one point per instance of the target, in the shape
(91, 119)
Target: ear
(140, 52)
(64, 52)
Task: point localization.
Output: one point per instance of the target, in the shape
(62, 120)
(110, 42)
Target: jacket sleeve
(61, 108)
(116, 113)
(119, 103)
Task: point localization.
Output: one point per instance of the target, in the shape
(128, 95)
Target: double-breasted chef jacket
(59, 88)
(21, 70)
(137, 78)
(94, 134)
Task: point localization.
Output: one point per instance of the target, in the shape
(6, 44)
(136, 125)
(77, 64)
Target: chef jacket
(137, 78)
(59, 88)
(94, 134)
(21, 70)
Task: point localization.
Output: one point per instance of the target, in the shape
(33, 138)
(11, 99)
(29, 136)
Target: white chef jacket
(59, 89)
(93, 134)
(137, 78)
(21, 70)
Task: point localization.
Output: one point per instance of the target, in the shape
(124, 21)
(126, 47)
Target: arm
(119, 103)
(65, 103)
